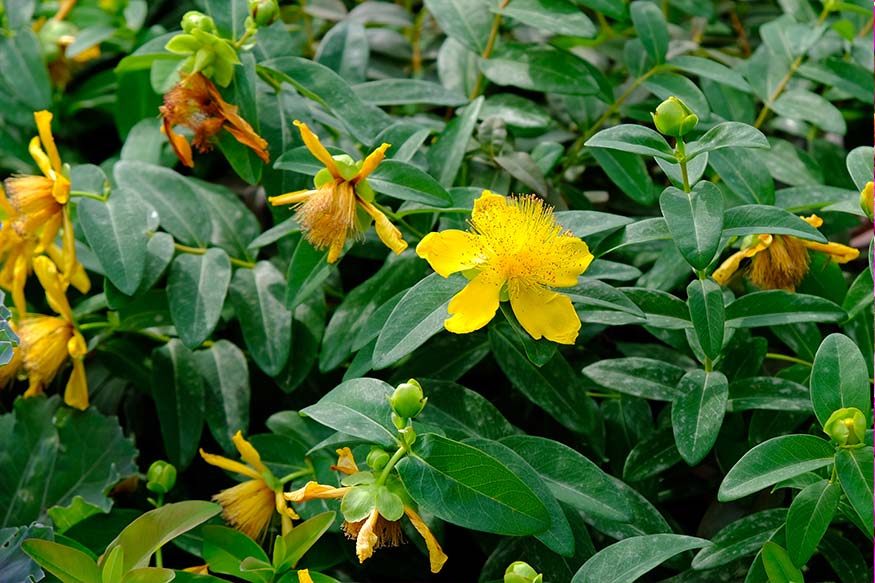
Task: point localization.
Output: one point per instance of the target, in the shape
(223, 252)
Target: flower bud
(161, 477)
(521, 572)
(846, 427)
(377, 459)
(673, 118)
(407, 401)
(866, 199)
(193, 19)
(263, 12)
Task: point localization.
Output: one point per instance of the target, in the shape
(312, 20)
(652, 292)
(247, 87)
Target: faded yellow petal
(248, 453)
(296, 197)
(345, 462)
(180, 145)
(728, 268)
(474, 306)
(42, 160)
(48, 275)
(544, 313)
(304, 576)
(837, 252)
(198, 570)
(283, 508)
(76, 393)
(367, 539)
(315, 491)
(248, 507)
(44, 127)
(814, 220)
(450, 251)
(388, 233)
(436, 555)
(371, 162)
(230, 465)
(317, 149)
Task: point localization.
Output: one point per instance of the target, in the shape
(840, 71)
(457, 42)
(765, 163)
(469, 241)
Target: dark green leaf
(258, 299)
(446, 155)
(196, 288)
(66, 563)
(768, 393)
(556, 16)
(778, 566)
(407, 182)
(808, 518)
(651, 28)
(226, 379)
(632, 557)
(729, 134)
(697, 414)
(634, 139)
(358, 407)
(540, 68)
(642, 377)
(179, 399)
(695, 221)
(705, 301)
(741, 538)
(776, 307)
(467, 21)
(651, 456)
(839, 378)
(854, 468)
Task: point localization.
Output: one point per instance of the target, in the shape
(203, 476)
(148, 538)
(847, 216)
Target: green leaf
(768, 393)
(778, 566)
(233, 224)
(772, 461)
(558, 537)
(572, 478)
(651, 28)
(179, 399)
(554, 387)
(632, 557)
(196, 288)
(307, 270)
(854, 468)
(173, 196)
(523, 167)
(45, 452)
(651, 456)
(592, 292)
(149, 575)
(839, 378)
(302, 538)
(555, 16)
(446, 155)
(629, 173)
(859, 295)
(641, 377)
(258, 299)
(708, 69)
(66, 563)
(116, 231)
(418, 316)
(799, 104)
(697, 414)
(665, 85)
(808, 518)
(705, 301)
(408, 91)
(745, 173)
(643, 231)
(741, 538)
(345, 50)
(407, 182)
(729, 134)
(776, 307)
(586, 223)
(467, 21)
(359, 407)
(634, 139)
(540, 68)
(461, 412)
(23, 62)
(845, 558)
(225, 374)
(858, 165)
(152, 530)
(695, 221)
(463, 485)
(224, 549)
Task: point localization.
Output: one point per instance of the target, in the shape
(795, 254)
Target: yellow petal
(44, 127)
(544, 313)
(313, 491)
(283, 509)
(838, 252)
(572, 257)
(474, 306)
(335, 249)
(291, 197)
(388, 233)
(198, 570)
(367, 539)
(230, 465)
(76, 393)
(40, 157)
(487, 202)
(304, 576)
(450, 251)
(51, 281)
(728, 268)
(317, 149)
(814, 220)
(371, 162)
(436, 555)
(345, 462)
(248, 453)
(61, 189)
(248, 507)
(18, 283)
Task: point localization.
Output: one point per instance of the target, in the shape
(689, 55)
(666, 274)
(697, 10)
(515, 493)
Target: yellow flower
(867, 198)
(47, 341)
(781, 261)
(249, 506)
(195, 103)
(36, 209)
(329, 214)
(514, 247)
(375, 531)
(304, 576)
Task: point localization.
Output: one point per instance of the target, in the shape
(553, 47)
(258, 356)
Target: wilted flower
(249, 506)
(374, 531)
(516, 250)
(48, 341)
(196, 104)
(781, 261)
(329, 214)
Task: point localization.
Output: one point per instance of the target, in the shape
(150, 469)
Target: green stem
(244, 38)
(83, 194)
(603, 395)
(402, 451)
(203, 250)
(786, 358)
(94, 326)
(159, 558)
(295, 475)
(487, 52)
(680, 154)
(709, 365)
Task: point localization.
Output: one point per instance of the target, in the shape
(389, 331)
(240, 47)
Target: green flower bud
(846, 427)
(263, 12)
(161, 477)
(407, 400)
(673, 118)
(521, 572)
(193, 19)
(377, 459)
(867, 197)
